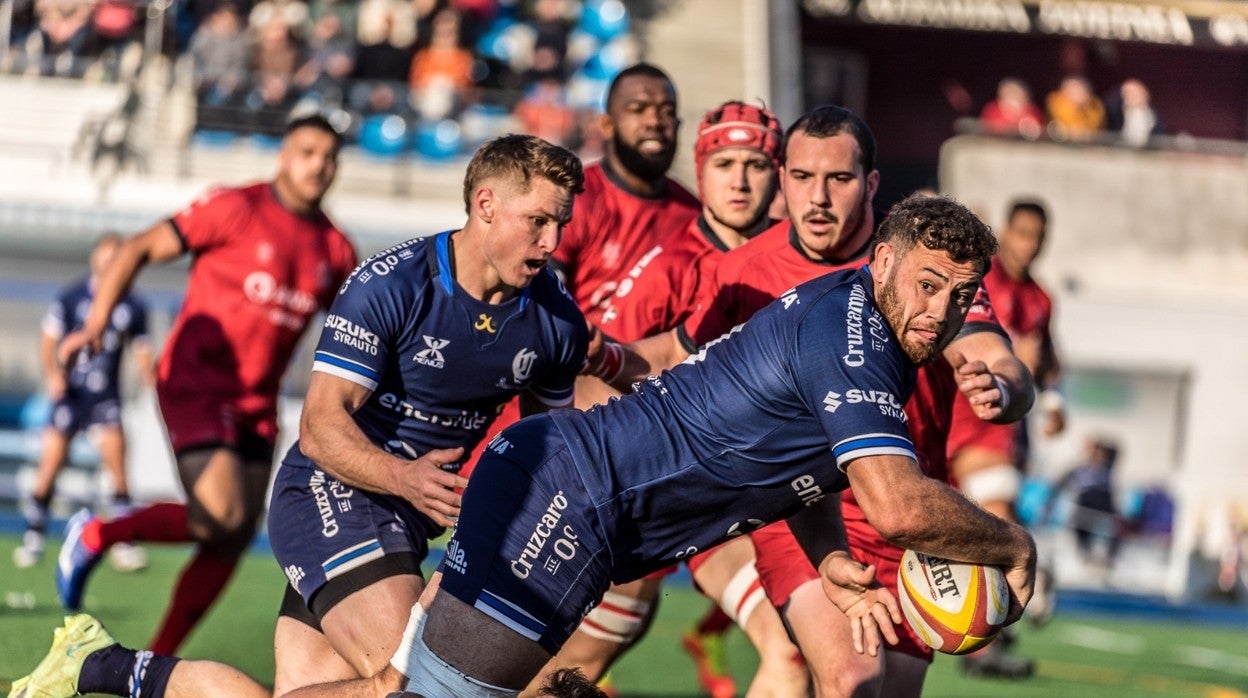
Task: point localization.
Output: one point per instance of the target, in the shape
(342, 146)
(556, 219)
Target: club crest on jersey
(522, 365)
(431, 356)
(485, 323)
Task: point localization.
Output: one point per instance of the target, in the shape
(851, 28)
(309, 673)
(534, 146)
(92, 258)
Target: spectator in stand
(64, 26)
(294, 13)
(544, 112)
(1075, 112)
(441, 73)
(278, 53)
(1130, 114)
(383, 58)
(550, 43)
(113, 34)
(1013, 113)
(219, 52)
(330, 59)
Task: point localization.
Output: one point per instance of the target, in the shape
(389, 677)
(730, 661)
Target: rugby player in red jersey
(265, 259)
(986, 460)
(736, 157)
(828, 180)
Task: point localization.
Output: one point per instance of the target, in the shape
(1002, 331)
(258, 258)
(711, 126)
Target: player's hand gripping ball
(955, 607)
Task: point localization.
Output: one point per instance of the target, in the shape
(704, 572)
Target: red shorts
(196, 420)
(783, 567)
(967, 430)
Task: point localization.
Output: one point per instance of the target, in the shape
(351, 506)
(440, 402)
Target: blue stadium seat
(439, 140)
(213, 139)
(497, 42)
(586, 92)
(35, 412)
(605, 19)
(384, 135)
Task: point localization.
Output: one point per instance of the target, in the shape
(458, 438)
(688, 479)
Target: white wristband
(1052, 401)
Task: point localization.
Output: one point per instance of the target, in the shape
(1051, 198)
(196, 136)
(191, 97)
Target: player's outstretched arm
(916, 512)
(621, 365)
(997, 384)
(53, 376)
(159, 243)
(330, 437)
(872, 610)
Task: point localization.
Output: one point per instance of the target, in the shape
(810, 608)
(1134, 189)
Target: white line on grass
(1100, 639)
(1212, 659)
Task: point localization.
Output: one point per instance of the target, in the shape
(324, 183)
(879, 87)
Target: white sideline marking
(1104, 640)
(1212, 659)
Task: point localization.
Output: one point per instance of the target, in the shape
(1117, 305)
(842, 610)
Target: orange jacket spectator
(1075, 113)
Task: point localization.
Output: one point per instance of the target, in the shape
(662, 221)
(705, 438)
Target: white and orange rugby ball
(955, 607)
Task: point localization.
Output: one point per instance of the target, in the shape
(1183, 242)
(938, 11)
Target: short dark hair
(830, 120)
(569, 683)
(647, 70)
(521, 158)
(316, 121)
(938, 223)
(1032, 206)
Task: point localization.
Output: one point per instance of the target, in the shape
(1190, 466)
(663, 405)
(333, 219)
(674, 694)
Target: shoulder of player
(764, 245)
(550, 296)
(838, 293)
(402, 269)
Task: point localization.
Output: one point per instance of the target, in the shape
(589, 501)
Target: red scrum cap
(734, 124)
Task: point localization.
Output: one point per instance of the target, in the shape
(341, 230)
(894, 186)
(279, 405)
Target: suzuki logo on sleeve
(831, 401)
(432, 355)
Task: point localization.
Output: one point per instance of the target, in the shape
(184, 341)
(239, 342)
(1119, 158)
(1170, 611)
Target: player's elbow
(899, 522)
(311, 441)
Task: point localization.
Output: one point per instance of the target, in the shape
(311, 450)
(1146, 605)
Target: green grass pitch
(1084, 656)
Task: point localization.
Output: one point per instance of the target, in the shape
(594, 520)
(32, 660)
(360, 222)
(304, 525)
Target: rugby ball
(955, 607)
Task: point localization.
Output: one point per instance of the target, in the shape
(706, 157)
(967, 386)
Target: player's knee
(619, 619)
(229, 528)
(856, 680)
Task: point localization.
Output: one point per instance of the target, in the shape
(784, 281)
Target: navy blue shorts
(320, 529)
(74, 413)
(528, 550)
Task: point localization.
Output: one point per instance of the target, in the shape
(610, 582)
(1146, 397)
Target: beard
(647, 167)
(895, 315)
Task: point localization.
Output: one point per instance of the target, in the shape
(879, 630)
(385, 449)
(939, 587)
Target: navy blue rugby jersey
(759, 424)
(96, 375)
(440, 363)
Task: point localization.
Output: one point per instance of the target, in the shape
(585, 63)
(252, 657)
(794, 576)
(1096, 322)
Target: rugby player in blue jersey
(421, 349)
(767, 421)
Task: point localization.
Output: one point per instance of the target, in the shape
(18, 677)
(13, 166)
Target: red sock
(715, 622)
(164, 523)
(200, 583)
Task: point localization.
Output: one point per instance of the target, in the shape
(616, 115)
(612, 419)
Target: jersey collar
(446, 268)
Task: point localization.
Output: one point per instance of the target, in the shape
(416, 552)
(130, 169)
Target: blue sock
(119, 671)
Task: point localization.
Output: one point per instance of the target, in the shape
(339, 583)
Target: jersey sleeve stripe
(349, 370)
(873, 441)
(509, 615)
(843, 459)
(554, 398)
